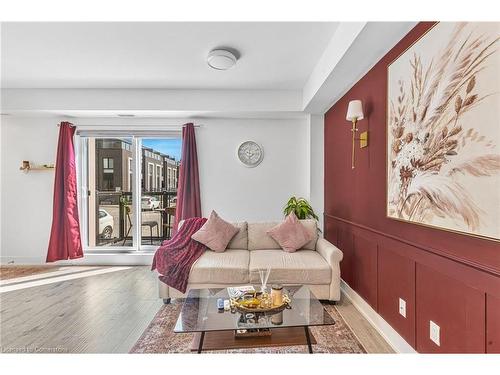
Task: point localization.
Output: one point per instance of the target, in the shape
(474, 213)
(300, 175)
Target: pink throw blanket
(174, 257)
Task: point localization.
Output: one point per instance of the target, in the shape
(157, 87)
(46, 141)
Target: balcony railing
(115, 213)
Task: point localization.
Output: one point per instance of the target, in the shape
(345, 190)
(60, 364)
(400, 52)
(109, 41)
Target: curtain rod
(116, 125)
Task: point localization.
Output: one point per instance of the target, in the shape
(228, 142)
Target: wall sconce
(354, 114)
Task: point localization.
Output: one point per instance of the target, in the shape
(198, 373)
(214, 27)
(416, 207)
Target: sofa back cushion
(240, 240)
(253, 236)
(311, 226)
(258, 239)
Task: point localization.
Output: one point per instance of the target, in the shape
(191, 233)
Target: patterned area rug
(12, 272)
(160, 338)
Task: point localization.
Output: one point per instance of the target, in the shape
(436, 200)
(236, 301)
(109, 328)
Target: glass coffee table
(223, 330)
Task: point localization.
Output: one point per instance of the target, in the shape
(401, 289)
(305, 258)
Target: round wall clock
(250, 153)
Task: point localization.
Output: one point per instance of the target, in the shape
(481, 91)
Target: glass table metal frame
(200, 314)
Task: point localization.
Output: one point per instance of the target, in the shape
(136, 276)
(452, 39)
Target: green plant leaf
(301, 207)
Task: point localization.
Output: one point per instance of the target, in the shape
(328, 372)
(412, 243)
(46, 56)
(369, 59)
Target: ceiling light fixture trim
(221, 59)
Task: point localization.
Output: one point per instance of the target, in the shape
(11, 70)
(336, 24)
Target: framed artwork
(443, 130)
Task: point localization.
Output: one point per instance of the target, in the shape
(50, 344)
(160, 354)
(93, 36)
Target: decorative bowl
(258, 303)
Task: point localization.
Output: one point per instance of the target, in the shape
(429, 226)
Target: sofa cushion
(290, 234)
(300, 267)
(311, 227)
(229, 267)
(240, 240)
(215, 233)
(259, 239)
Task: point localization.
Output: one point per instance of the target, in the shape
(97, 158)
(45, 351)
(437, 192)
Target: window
(150, 186)
(108, 165)
(107, 207)
(108, 182)
(158, 177)
(107, 179)
(125, 205)
(157, 197)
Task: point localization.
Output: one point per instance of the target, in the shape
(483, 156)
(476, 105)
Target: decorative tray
(258, 303)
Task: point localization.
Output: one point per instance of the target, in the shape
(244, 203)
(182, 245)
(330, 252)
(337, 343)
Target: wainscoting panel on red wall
(446, 264)
(365, 266)
(457, 309)
(492, 324)
(392, 266)
(345, 242)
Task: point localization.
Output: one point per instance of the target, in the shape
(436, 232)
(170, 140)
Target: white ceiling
(158, 70)
(274, 55)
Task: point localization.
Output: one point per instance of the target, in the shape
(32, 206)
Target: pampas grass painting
(443, 144)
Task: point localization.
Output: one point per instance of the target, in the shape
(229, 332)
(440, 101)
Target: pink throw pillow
(215, 233)
(290, 234)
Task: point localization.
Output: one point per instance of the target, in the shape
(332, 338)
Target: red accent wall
(441, 275)
(492, 324)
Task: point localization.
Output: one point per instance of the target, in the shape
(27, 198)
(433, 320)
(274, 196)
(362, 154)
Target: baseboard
(110, 259)
(390, 335)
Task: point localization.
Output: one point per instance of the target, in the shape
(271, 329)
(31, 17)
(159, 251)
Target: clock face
(250, 153)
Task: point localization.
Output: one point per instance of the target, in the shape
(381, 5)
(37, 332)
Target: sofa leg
(166, 301)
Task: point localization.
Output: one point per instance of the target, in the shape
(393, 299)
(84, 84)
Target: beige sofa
(315, 265)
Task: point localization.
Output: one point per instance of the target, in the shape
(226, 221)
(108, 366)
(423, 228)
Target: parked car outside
(150, 203)
(105, 224)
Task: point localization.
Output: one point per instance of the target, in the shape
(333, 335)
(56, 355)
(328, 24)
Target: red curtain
(188, 191)
(65, 241)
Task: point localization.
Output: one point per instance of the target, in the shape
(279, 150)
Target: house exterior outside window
(170, 165)
(112, 157)
(114, 167)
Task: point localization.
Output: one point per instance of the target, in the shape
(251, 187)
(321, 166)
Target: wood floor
(364, 331)
(10, 272)
(106, 313)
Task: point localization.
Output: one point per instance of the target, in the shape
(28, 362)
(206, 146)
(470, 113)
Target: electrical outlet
(434, 332)
(402, 307)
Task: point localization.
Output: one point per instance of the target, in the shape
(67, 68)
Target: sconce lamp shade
(355, 110)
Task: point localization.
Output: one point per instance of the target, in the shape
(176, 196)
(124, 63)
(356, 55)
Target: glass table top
(200, 314)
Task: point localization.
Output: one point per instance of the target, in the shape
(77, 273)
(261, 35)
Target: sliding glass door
(159, 160)
(128, 191)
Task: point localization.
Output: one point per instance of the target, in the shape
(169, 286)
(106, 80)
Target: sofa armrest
(329, 251)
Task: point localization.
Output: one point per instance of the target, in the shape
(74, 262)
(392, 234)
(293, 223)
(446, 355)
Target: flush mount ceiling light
(221, 59)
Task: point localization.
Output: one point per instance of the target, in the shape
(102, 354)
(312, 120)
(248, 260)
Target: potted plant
(301, 207)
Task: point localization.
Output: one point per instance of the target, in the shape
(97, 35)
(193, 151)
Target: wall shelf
(27, 166)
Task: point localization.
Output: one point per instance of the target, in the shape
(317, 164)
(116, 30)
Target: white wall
(234, 191)
(253, 194)
(26, 198)
(317, 166)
